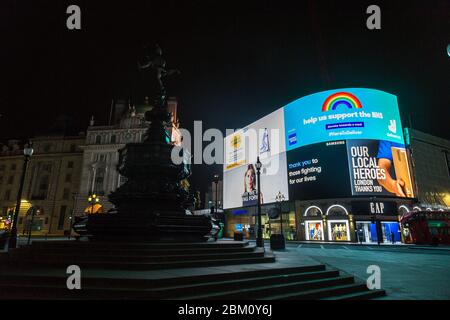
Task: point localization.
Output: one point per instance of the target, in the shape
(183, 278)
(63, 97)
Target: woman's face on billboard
(249, 180)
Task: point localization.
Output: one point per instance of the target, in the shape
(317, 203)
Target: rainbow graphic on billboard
(341, 98)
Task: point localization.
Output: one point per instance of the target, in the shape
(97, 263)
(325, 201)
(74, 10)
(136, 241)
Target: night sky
(240, 60)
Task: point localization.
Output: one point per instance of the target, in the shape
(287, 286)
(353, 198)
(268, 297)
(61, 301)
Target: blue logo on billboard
(292, 138)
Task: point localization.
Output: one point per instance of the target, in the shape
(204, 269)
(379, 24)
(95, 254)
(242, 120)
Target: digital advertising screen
(343, 114)
(240, 184)
(333, 144)
(264, 138)
(318, 171)
(379, 167)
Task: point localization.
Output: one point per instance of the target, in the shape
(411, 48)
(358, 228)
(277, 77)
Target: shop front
(243, 220)
(325, 222)
(367, 232)
(376, 222)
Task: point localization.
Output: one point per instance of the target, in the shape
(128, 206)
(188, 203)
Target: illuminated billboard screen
(240, 183)
(342, 115)
(318, 171)
(263, 138)
(379, 167)
(332, 144)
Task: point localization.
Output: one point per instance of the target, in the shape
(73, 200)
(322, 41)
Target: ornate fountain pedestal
(151, 204)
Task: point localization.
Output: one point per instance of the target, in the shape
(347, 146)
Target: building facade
(99, 173)
(344, 165)
(210, 195)
(431, 169)
(52, 179)
(356, 219)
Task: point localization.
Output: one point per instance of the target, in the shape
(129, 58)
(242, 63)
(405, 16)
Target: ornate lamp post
(216, 181)
(34, 211)
(27, 152)
(93, 199)
(71, 214)
(259, 238)
(280, 198)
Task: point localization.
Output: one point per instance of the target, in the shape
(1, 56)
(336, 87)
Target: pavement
(407, 273)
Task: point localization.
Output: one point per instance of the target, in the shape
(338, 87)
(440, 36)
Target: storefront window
(338, 230)
(246, 223)
(391, 232)
(367, 232)
(314, 230)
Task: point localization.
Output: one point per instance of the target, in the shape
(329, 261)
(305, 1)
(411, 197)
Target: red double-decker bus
(426, 227)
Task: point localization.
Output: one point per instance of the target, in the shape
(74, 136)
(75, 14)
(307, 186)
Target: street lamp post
(216, 181)
(278, 241)
(27, 152)
(93, 199)
(30, 229)
(280, 198)
(71, 214)
(259, 239)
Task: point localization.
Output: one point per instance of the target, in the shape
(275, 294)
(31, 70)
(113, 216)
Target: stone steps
(336, 292)
(225, 287)
(359, 295)
(271, 290)
(63, 251)
(107, 273)
(73, 245)
(75, 258)
(137, 256)
(312, 285)
(195, 282)
(115, 265)
(146, 252)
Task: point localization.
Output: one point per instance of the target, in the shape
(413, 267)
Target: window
(36, 226)
(66, 194)
(11, 180)
(98, 139)
(70, 164)
(62, 217)
(2, 167)
(98, 183)
(1, 180)
(13, 166)
(113, 138)
(47, 147)
(7, 194)
(41, 189)
(122, 180)
(73, 148)
(68, 178)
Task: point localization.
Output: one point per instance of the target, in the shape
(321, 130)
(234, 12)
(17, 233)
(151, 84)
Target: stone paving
(406, 273)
